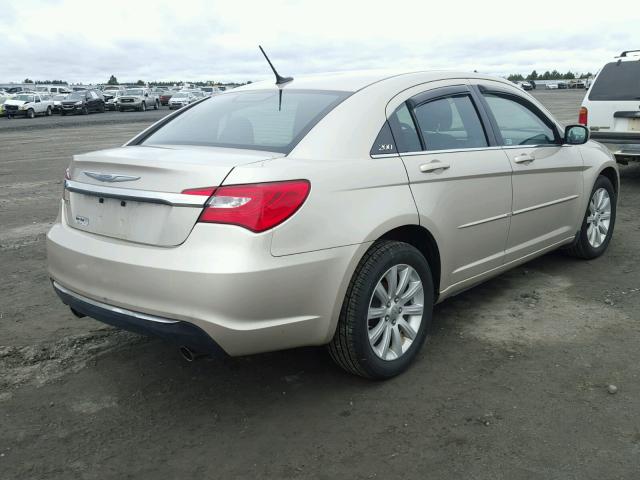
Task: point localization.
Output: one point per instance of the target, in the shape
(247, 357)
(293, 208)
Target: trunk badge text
(110, 177)
(80, 220)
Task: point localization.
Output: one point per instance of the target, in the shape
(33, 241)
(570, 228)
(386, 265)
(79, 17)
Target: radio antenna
(280, 80)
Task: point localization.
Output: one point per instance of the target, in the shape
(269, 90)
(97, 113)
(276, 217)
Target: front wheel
(49, 111)
(386, 312)
(599, 220)
(85, 110)
(143, 107)
(31, 113)
(156, 106)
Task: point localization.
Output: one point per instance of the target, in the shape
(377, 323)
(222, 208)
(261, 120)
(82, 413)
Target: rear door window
(450, 123)
(617, 81)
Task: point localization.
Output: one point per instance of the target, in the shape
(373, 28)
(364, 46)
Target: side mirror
(576, 135)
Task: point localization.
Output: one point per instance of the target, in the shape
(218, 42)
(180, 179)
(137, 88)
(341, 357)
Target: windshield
(251, 120)
(77, 96)
(59, 97)
(24, 98)
(134, 91)
(181, 95)
(617, 81)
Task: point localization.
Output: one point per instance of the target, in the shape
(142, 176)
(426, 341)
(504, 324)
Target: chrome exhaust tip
(190, 355)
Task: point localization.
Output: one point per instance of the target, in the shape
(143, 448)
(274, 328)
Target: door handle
(433, 166)
(523, 158)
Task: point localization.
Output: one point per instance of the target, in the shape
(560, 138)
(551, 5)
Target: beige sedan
(331, 210)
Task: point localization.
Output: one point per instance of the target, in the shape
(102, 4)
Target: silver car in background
(330, 210)
(181, 99)
(139, 99)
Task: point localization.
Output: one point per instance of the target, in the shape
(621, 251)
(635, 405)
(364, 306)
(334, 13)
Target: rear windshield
(617, 81)
(253, 120)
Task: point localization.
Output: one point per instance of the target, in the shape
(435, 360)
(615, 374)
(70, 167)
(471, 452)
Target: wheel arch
(612, 175)
(422, 239)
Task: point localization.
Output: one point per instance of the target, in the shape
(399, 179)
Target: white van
(611, 106)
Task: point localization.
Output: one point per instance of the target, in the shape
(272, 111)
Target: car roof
(353, 81)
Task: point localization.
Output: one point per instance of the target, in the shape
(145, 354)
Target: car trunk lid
(135, 193)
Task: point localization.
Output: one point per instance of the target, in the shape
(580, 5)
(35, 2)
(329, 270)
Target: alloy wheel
(599, 218)
(395, 312)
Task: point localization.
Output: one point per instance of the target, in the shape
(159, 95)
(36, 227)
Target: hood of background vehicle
(15, 102)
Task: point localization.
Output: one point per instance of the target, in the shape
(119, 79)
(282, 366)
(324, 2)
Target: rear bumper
(222, 279)
(625, 146)
(174, 331)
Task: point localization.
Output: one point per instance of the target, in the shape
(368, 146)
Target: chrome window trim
(111, 308)
(165, 198)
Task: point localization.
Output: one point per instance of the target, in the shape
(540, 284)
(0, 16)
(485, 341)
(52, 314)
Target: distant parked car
(199, 94)
(137, 99)
(210, 90)
(180, 99)
(16, 89)
(576, 83)
(28, 105)
(552, 86)
(57, 102)
(525, 85)
(111, 99)
(562, 85)
(165, 97)
(83, 102)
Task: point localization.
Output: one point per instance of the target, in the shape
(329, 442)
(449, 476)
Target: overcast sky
(87, 41)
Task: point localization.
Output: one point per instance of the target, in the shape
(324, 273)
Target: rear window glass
(256, 120)
(617, 81)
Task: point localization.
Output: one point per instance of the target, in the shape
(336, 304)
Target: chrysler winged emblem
(110, 177)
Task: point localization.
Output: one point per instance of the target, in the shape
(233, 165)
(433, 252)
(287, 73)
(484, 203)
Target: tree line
(553, 75)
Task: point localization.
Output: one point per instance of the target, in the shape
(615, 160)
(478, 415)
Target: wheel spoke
(386, 341)
(605, 216)
(404, 281)
(407, 329)
(396, 341)
(413, 289)
(415, 309)
(376, 312)
(603, 229)
(375, 332)
(381, 293)
(392, 280)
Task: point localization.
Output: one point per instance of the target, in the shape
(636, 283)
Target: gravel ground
(512, 384)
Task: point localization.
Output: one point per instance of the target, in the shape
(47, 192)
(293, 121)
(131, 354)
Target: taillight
(208, 191)
(583, 116)
(257, 207)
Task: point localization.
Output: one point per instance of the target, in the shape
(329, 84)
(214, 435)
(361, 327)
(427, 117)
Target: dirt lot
(512, 383)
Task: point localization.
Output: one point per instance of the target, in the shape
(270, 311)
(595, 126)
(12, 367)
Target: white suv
(611, 107)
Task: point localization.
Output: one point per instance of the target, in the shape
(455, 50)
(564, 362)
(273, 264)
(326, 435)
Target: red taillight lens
(583, 116)
(257, 207)
(204, 191)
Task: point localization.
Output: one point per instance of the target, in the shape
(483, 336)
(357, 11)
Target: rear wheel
(599, 220)
(156, 106)
(386, 312)
(49, 112)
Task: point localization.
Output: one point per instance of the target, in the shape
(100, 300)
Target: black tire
(156, 105)
(49, 112)
(582, 248)
(102, 108)
(31, 113)
(85, 110)
(143, 107)
(63, 113)
(350, 347)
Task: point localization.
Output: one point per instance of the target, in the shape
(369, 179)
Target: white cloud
(80, 40)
